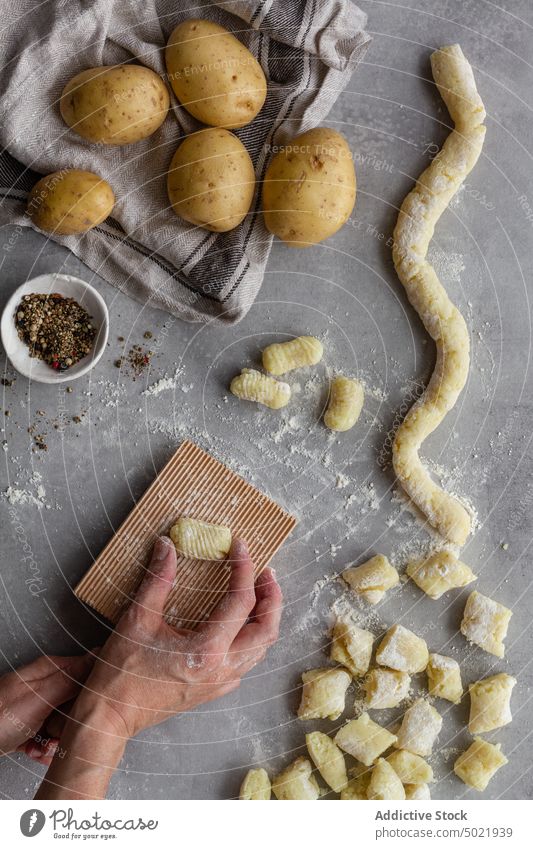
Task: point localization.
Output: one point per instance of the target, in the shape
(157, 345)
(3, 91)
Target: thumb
(157, 582)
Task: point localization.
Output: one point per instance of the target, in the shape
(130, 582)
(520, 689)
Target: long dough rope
(418, 216)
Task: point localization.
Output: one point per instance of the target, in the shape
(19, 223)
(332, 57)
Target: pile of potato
(309, 187)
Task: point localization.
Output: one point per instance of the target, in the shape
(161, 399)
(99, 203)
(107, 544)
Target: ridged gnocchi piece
(364, 739)
(386, 688)
(372, 579)
(410, 768)
(418, 792)
(440, 572)
(256, 785)
(323, 694)
(328, 759)
(351, 646)
(479, 763)
(346, 398)
(286, 356)
(485, 623)
(401, 649)
(251, 385)
(201, 540)
(384, 783)
(296, 782)
(444, 678)
(490, 703)
(421, 725)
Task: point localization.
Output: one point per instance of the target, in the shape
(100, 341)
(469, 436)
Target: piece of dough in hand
(201, 540)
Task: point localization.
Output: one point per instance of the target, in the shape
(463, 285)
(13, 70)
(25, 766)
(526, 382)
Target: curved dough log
(418, 216)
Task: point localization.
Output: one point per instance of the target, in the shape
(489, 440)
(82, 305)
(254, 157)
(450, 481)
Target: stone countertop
(72, 495)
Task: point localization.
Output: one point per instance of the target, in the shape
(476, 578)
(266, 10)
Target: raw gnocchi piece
(384, 783)
(420, 728)
(372, 579)
(251, 385)
(485, 623)
(357, 786)
(351, 646)
(440, 572)
(477, 765)
(444, 678)
(364, 739)
(323, 694)
(296, 782)
(490, 703)
(401, 649)
(201, 540)
(417, 791)
(386, 688)
(410, 768)
(346, 397)
(256, 785)
(328, 759)
(286, 356)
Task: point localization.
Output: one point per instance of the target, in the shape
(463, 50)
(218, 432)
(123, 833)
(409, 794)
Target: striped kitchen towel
(308, 49)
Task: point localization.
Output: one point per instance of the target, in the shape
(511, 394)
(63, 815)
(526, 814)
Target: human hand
(148, 670)
(28, 698)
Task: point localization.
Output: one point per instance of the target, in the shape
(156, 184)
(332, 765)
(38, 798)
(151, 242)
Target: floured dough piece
(384, 783)
(328, 759)
(386, 688)
(201, 540)
(440, 572)
(346, 397)
(286, 356)
(420, 728)
(401, 649)
(372, 579)
(364, 739)
(490, 703)
(410, 768)
(418, 216)
(357, 787)
(256, 785)
(485, 623)
(417, 791)
(351, 646)
(251, 385)
(323, 694)
(479, 763)
(296, 782)
(444, 678)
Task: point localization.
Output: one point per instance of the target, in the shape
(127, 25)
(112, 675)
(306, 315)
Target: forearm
(88, 753)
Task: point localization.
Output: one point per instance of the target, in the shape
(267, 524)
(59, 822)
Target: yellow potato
(211, 180)
(309, 188)
(70, 202)
(115, 104)
(213, 75)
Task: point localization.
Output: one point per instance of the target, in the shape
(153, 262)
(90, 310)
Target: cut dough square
(386, 688)
(364, 739)
(479, 763)
(384, 783)
(490, 703)
(324, 693)
(485, 623)
(420, 728)
(351, 646)
(296, 782)
(401, 649)
(372, 579)
(256, 785)
(444, 678)
(328, 759)
(439, 573)
(417, 791)
(357, 786)
(410, 768)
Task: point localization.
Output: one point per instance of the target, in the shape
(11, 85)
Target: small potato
(213, 75)
(211, 180)
(115, 104)
(309, 188)
(70, 202)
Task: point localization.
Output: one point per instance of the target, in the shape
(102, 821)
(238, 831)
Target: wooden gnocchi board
(192, 484)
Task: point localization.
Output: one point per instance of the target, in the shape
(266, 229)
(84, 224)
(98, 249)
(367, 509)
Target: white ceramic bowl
(70, 287)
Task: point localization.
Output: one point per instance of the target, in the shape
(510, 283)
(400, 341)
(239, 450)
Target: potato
(213, 75)
(115, 104)
(70, 202)
(211, 180)
(309, 188)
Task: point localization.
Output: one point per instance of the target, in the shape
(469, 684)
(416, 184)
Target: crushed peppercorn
(56, 329)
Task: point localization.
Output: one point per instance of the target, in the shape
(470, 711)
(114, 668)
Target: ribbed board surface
(191, 484)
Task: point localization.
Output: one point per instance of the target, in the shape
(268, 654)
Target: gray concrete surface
(346, 292)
